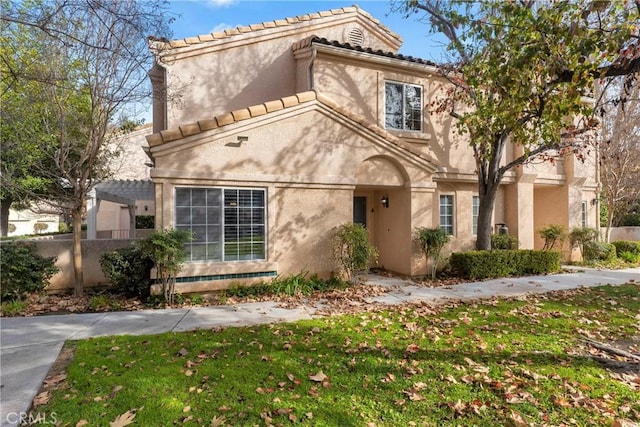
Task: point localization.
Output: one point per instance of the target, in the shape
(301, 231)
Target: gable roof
(201, 126)
(164, 44)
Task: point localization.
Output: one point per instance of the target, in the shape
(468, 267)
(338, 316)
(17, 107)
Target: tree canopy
(523, 73)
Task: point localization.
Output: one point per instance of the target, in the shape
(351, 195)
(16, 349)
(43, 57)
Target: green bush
(504, 263)
(432, 241)
(630, 220)
(23, 270)
(145, 222)
(599, 251)
(629, 257)
(552, 234)
(627, 246)
(351, 249)
(504, 242)
(580, 236)
(128, 271)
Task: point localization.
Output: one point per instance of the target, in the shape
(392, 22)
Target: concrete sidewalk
(30, 346)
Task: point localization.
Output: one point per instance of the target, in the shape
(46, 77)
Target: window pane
(198, 197)
(446, 213)
(199, 215)
(413, 107)
(183, 216)
(199, 233)
(183, 197)
(258, 198)
(198, 252)
(393, 105)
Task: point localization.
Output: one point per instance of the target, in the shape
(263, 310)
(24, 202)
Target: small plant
(166, 249)
(294, 285)
(99, 303)
(553, 234)
(432, 241)
(23, 270)
(580, 235)
(629, 257)
(505, 242)
(196, 299)
(352, 250)
(13, 308)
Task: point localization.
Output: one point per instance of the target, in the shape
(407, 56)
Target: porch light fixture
(242, 139)
(385, 201)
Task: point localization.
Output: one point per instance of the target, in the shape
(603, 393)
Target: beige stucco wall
(91, 252)
(251, 68)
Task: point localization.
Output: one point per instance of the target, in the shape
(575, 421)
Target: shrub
(580, 235)
(504, 242)
(23, 270)
(145, 222)
(504, 263)
(128, 271)
(166, 250)
(552, 234)
(40, 227)
(629, 257)
(432, 241)
(627, 246)
(13, 308)
(599, 251)
(351, 249)
(630, 220)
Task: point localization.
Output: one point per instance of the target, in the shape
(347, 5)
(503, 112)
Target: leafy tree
(94, 56)
(552, 234)
(519, 70)
(619, 153)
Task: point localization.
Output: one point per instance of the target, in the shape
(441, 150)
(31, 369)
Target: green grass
(485, 364)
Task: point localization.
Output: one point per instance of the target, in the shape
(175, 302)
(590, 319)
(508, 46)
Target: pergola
(124, 192)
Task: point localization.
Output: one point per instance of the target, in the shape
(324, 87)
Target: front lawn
(517, 362)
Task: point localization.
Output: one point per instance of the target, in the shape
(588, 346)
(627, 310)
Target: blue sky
(195, 17)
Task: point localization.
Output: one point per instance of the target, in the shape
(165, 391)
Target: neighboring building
(26, 222)
(268, 136)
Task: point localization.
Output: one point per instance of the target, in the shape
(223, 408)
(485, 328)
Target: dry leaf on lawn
(123, 419)
(319, 377)
(42, 398)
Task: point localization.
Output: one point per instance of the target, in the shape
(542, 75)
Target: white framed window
(446, 213)
(228, 224)
(475, 209)
(403, 106)
(583, 212)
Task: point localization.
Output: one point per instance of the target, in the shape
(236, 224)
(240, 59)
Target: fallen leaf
(218, 421)
(319, 377)
(82, 423)
(42, 398)
(55, 379)
(188, 372)
(123, 419)
(183, 352)
(186, 409)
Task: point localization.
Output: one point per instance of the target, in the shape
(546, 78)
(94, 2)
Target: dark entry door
(360, 210)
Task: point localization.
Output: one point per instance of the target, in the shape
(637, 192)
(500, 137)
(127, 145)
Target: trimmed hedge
(499, 263)
(23, 270)
(630, 246)
(599, 251)
(128, 270)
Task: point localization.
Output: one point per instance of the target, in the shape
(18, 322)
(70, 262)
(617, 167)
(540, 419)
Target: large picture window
(446, 213)
(403, 106)
(228, 224)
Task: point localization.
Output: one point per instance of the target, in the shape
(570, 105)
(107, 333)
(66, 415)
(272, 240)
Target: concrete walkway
(30, 346)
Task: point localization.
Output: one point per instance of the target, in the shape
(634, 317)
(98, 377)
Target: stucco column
(519, 214)
(92, 214)
(132, 222)
(422, 215)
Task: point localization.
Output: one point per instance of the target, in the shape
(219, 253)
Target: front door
(360, 210)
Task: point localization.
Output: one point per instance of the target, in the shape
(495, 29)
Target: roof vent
(355, 37)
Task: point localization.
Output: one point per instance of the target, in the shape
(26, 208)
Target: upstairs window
(403, 106)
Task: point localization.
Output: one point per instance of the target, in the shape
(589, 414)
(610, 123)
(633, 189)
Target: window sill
(409, 136)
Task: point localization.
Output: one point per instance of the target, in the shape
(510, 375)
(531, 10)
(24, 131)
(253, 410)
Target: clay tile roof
(229, 118)
(296, 20)
(321, 40)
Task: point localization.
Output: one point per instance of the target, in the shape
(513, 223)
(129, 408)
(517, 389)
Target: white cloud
(221, 27)
(222, 3)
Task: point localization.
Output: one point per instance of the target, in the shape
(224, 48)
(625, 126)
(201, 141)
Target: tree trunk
(78, 289)
(5, 205)
(485, 215)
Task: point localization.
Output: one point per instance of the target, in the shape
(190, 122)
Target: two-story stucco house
(268, 136)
